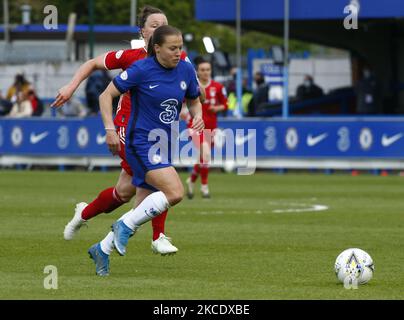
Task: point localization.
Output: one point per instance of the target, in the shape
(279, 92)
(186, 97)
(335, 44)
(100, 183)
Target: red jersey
(215, 95)
(123, 59)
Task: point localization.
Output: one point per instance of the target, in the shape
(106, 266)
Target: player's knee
(125, 194)
(175, 196)
(126, 197)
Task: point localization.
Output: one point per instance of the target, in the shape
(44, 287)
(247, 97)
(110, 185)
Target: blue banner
(258, 10)
(294, 138)
(52, 137)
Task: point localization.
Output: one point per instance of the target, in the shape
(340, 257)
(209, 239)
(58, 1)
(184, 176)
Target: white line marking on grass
(287, 207)
(306, 208)
(302, 207)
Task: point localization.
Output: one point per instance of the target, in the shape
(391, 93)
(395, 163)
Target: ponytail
(150, 48)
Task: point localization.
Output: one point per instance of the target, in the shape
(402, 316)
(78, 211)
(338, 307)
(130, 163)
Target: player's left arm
(184, 114)
(202, 94)
(195, 109)
(192, 100)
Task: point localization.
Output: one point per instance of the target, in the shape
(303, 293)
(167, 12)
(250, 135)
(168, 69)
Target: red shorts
(124, 164)
(206, 136)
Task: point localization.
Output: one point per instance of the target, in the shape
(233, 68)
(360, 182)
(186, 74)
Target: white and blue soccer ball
(354, 265)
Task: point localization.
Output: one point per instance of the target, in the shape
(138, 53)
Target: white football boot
(163, 246)
(205, 191)
(75, 224)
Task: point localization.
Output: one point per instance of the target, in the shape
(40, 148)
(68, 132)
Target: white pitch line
(298, 207)
(311, 207)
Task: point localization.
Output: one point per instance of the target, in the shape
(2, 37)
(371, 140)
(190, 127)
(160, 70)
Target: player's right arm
(128, 79)
(106, 98)
(65, 93)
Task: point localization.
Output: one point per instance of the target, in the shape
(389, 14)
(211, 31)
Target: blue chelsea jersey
(157, 94)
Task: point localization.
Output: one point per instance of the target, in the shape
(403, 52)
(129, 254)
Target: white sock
(125, 215)
(190, 185)
(107, 244)
(150, 207)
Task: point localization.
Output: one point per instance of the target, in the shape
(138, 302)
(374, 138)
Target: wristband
(109, 129)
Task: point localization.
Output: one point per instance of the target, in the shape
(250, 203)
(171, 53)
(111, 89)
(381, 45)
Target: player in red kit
(215, 101)
(112, 198)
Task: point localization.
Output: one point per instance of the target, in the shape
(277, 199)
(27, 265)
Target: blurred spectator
(231, 85)
(20, 88)
(96, 84)
(260, 95)
(73, 108)
(245, 98)
(5, 105)
(20, 94)
(368, 100)
(308, 89)
(36, 103)
(21, 108)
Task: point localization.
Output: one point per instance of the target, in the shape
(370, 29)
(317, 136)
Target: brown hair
(199, 60)
(159, 37)
(145, 12)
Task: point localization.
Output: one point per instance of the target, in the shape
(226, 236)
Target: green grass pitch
(254, 239)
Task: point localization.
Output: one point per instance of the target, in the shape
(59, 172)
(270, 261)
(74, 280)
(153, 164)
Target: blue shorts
(141, 161)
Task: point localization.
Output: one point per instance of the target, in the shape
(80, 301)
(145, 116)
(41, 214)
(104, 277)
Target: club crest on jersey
(118, 54)
(124, 75)
(170, 113)
(183, 85)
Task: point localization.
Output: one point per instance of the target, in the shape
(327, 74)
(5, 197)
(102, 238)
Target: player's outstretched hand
(197, 124)
(64, 94)
(112, 140)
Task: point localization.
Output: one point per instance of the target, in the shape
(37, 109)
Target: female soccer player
(158, 85)
(112, 198)
(216, 101)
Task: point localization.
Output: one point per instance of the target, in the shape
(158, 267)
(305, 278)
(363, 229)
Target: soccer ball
(229, 166)
(354, 266)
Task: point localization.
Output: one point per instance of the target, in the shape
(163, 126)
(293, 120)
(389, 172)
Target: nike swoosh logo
(240, 140)
(152, 87)
(101, 138)
(313, 140)
(387, 141)
(35, 138)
